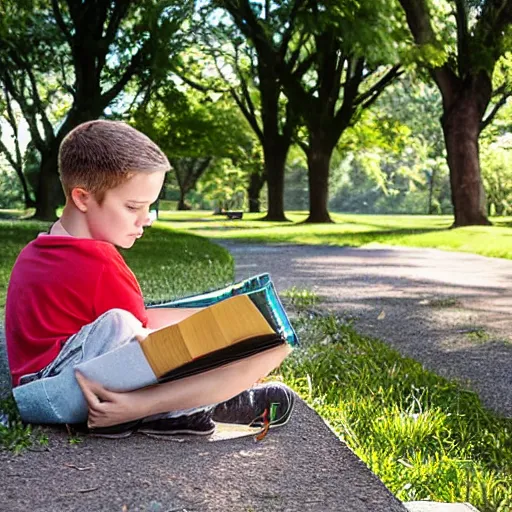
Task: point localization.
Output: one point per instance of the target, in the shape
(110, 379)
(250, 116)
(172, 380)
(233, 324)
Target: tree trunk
(464, 105)
(275, 159)
(182, 205)
(49, 190)
(431, 191)
(319, 159)
(461, 127)
(29, 202)
(256, 182)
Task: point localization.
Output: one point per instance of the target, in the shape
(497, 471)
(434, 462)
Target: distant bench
(234, 215)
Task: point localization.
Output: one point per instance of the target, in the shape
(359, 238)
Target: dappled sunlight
(352, 230)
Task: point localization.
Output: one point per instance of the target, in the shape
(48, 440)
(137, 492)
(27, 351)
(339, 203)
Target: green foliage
(496, 162)
(225, 186)
(425, 437)
(187, 123)
(197, 131)
(14, 435)
(11, 194)
(393, 156)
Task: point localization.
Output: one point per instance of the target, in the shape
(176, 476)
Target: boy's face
(124, 212)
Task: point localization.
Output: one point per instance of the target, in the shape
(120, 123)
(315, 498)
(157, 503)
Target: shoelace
(267, 420)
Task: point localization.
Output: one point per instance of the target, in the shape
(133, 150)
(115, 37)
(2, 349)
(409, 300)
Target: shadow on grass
(10, 215)
(336, 238)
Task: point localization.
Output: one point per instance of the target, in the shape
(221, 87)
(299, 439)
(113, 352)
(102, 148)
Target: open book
(217, 335)
(259, 288)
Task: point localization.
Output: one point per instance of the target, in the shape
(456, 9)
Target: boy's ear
(81, 198)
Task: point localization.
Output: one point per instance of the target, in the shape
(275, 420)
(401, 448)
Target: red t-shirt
(58, 285)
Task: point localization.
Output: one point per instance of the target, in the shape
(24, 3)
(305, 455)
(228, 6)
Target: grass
(478, 334)
(444, 302)
(424, 436)
(353, 230)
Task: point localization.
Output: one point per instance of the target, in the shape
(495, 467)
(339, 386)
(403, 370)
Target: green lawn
(353, 230)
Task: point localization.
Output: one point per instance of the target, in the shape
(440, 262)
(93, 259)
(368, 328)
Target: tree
(327, 74)
(250, 75)
(225, 185)
(14, 157)
(460, 48)
(91, 50)
(193, 129)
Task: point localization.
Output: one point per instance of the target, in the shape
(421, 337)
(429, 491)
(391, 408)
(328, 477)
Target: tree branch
(287, 36)
(130, 71)
(60, 22)
(492, 22)
(120, 10)
(11, 118)
(377, 88)
(245, 89)
(492, 114)
(27, 110)
(461, 17)
(418, 19)
(251, 119)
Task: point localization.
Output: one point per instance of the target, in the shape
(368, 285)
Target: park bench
(234, 215)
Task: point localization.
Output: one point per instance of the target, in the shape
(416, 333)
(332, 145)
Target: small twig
(72, 466)
(88, 490)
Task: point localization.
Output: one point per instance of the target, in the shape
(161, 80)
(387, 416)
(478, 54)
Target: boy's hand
(107, 408)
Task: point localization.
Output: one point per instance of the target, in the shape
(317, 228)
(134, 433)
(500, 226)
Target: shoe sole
(122, 435)
(163, 433)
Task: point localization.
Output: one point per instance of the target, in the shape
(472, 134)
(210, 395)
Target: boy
(71, 297)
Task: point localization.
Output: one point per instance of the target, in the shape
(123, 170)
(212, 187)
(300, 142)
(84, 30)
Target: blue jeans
(53, 395)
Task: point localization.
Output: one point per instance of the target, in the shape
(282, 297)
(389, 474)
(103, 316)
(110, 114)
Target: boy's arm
(108, 408)
(160, 317)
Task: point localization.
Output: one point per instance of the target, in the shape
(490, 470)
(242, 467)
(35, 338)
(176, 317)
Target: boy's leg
(63, 401)
(57, 398)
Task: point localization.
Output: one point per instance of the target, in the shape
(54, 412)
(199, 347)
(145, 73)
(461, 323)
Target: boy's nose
(144, 220)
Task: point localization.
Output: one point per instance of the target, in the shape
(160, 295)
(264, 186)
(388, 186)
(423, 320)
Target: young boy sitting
(71, 297)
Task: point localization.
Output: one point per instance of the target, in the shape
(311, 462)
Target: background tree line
(356, 106)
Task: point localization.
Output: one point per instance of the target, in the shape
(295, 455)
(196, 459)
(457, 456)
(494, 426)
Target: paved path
(450, 311)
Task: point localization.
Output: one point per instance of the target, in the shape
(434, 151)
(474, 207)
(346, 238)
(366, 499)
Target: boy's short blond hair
(100, 155)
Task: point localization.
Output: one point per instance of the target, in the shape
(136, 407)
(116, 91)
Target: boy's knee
(111, 330)
(121, 317)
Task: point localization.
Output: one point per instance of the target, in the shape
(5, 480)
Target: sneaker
(199, 424)
(248, 407)
(116, 431)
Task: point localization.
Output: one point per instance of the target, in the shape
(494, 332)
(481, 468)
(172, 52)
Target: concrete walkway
(448, 310)
(300, 467)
